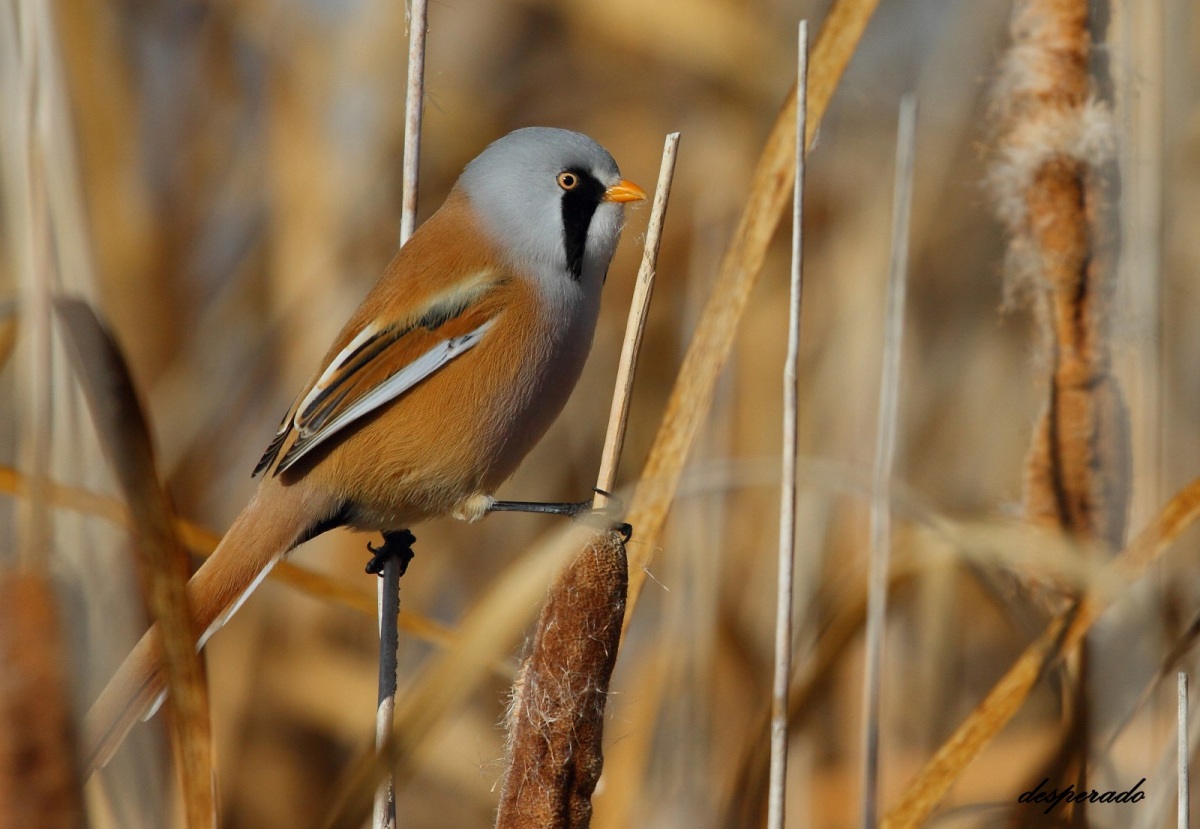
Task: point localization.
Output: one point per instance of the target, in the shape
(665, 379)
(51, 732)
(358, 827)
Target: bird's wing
(380, 361)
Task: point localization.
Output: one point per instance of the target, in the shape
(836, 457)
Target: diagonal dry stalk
(163, 563)
(691, 396)
(1170, 661)
(635, 327)
(202, 542)
(743, 800)
(1063, 634)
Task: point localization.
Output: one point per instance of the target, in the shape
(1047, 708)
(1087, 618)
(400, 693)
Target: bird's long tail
(276, 520)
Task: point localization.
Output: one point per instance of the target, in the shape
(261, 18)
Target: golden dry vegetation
(222, 179)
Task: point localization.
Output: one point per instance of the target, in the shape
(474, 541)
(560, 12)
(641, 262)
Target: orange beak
(624, 191)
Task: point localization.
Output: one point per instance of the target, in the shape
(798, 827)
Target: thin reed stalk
(777, 790)
(414, 109)
(885, 454)
(27, 34)
(389, 583)
(1151, 813)
(493, 626)
(635, 327)
(1139, 60)
(1182, 753)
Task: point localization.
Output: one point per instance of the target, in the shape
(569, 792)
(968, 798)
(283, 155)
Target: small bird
(449, 372)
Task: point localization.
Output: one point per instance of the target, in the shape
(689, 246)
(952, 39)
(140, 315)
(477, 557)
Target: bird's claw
(604, 516)
(623, 529)
(397, 544)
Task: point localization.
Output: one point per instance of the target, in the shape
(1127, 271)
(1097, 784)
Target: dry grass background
(225, 182)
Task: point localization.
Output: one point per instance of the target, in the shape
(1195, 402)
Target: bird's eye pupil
(567, 181)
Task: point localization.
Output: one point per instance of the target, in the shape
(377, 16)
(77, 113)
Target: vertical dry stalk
(1054, 137)
(8, 330)
(556, 722)
(777, 792)
(1182, 752)
(1158, 800)
(26, 93)
(414, 107)
(388, 609)
(1138, 59)
(389, 585)
(493, 626)
(39, 784)
(885, 452)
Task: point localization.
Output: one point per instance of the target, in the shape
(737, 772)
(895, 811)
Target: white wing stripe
(389, 389)
(336, 365)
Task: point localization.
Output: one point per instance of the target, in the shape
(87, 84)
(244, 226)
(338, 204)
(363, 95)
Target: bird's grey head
(554, 201)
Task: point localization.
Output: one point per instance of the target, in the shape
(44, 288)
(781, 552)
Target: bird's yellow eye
(568, 180)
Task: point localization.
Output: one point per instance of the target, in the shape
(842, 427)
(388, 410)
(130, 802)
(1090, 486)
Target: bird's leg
(572, 510)
(397, 543)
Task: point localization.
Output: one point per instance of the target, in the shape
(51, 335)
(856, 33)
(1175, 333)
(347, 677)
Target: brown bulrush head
(556, 720)
(1055, 137)
(39, 785)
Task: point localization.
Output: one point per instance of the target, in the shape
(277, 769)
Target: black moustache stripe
(578, 207)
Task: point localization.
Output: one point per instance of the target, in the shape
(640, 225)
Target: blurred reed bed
(223, 177)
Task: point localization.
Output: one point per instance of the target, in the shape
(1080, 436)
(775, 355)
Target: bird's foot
(396, 544)
(608, 514)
